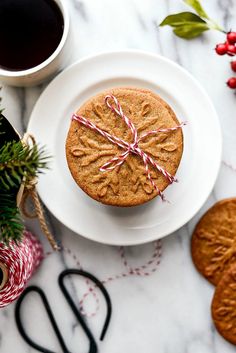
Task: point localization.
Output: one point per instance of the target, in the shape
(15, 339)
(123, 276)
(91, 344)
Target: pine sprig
(19, 161)
(11, 225)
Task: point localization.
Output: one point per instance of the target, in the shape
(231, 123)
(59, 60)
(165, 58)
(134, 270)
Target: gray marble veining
(169, 311)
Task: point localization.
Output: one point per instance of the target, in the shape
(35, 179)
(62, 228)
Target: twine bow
(129, 147)
(28, 189)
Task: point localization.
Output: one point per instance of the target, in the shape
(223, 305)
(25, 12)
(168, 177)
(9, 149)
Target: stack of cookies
(214, 255)
(87, 150)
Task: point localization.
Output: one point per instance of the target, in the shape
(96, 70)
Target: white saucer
(198, 170)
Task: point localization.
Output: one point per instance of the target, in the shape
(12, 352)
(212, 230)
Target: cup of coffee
(34, 37)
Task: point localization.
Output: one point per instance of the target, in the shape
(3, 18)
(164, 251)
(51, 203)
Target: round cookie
(223, 306)
(87, 150)
(214, 240)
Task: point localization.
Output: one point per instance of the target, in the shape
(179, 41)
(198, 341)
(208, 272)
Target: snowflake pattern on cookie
(89, 151)
(214, 241)
(92, 150)
(224, 305)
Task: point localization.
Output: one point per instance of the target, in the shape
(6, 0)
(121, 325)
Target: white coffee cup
(56, 61)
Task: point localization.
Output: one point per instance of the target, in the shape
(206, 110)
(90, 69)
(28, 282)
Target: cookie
(223, 306)
(214, 240)
(87, 150)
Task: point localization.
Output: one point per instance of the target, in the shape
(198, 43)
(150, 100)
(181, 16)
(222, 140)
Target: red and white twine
(144, 270)
(129, 147)
(20, 260)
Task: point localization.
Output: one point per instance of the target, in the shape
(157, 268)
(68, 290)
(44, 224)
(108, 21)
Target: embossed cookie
(214, 240)
(223, 306)
(87, 151)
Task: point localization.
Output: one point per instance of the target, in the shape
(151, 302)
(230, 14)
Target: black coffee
(30, 31)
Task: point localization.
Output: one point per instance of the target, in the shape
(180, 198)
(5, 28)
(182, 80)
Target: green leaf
(186, 24)
(191, 31)
(182, 18)
(196, 5)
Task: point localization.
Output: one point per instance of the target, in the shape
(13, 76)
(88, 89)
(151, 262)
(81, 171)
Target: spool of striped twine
(17, 264)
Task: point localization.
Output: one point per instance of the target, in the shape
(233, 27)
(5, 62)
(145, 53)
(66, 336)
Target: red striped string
(129, 147)
(143, 270)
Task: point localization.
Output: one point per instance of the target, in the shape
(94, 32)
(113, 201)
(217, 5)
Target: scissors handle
(98, 284)
(92, 345)
(50, 315)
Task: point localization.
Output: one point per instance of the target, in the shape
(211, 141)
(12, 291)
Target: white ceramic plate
(198, 170)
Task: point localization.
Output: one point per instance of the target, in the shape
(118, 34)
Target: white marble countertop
(169, 311)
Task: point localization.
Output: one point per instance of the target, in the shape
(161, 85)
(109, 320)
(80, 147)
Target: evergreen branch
(11, 225)
(18, 161)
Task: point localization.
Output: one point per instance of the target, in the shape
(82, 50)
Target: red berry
(231, 49)
(231, 83)
(231, 37)
(221, 49)
(233, 65)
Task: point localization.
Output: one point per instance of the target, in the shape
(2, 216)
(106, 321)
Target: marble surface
(169, 311)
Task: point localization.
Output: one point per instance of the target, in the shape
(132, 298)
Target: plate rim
(196, 209)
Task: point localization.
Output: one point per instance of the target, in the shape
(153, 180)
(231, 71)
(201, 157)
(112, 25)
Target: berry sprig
(229, 48)
(189, 25)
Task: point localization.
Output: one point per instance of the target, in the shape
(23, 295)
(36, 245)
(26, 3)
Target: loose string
(143, 270)
(29, 190)
(19, 261)
(129, 147)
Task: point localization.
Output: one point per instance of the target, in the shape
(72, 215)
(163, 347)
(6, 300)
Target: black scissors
(92, 345)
